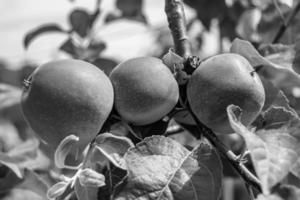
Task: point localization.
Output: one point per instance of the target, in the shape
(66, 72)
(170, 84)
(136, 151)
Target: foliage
(175, 157)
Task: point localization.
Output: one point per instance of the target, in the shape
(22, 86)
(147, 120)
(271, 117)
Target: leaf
(9, 136)
(80, 21)
(291, 179)
(67, 193)
(113, 148)
(87, 184)
(90, 178)
(93, 50)
(288, 192)
(17, 193)
(63, 150)
(279, 101)
(273, 149)
(46, 28)
(176, 64)
(85, 193)
(216, 9)
(57, 190)
(269, 197)
(246, 49)
(271, 92)
(296, 167)
(8, 179)
(131, 9)
(69, 47)
(289, 3)
(277, 67)
(296, 61)
(282, 55)
(9, 96)
(172, 60)
(105, 64)
(160, 168)
(19, 157)
(247, 24)
(110, 17)
(34, 183)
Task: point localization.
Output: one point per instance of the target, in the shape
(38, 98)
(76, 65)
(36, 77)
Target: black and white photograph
(150, 100)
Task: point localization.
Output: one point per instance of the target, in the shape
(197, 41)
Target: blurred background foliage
(108, 32)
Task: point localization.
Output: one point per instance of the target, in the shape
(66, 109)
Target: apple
(220, 81)
(67, 97)
(145, 90)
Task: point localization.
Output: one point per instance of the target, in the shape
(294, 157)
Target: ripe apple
(67, 97)
(220, 81)
(145, 90)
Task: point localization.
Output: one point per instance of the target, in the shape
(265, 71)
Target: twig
(176, 19)
(279, 11)
(284, 26)
(250, 191)
(227, 154)
(177, 25)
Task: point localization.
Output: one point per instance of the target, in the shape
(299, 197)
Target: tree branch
(227, 154)
(176, 18)
(284, 26)
(177, 25)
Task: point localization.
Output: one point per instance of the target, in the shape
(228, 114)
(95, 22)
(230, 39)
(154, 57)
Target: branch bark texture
(177, 25)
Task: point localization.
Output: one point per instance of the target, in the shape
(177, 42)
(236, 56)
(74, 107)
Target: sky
(125, 39)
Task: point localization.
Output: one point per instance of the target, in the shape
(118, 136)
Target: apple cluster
(75, 97)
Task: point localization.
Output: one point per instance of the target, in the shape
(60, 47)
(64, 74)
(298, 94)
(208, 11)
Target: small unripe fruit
(220, 81)
(67, 97)
(145, 90)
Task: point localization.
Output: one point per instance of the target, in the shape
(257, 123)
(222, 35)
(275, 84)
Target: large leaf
(274, 149)
(275, 66)
(160, 168)
(46, 28)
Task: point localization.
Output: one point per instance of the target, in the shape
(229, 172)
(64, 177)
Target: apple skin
(145, 90)
(220, 81)
(67, 97)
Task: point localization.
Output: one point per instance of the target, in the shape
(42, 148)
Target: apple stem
(177, 25)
